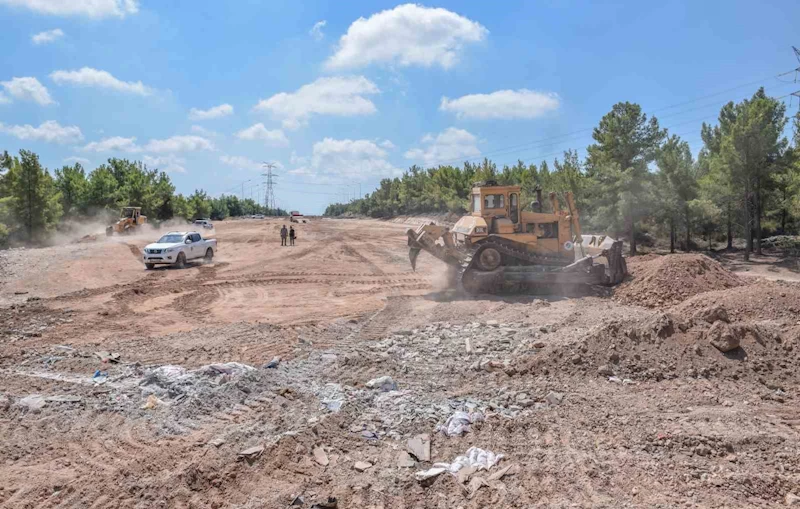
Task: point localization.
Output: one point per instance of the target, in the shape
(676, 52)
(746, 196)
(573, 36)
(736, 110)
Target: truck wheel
(209, 255)
(149, 266)
(181, 262)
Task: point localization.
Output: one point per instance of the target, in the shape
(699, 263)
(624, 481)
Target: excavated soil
(255, 381)
(658, 281)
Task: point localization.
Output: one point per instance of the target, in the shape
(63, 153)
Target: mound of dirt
(665, 346)
(762, 300)
(667, 280)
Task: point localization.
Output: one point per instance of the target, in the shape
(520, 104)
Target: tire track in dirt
(349, 250)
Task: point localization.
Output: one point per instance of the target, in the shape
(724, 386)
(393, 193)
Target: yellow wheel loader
(130, 219)
(500, 245)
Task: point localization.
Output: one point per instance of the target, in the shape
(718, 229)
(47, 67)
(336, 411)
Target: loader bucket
(413, 253)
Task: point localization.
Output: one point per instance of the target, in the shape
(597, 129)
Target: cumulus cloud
(47, 37)
(173, 144)
(179, 144)
(387, 144)
(202, 131)
(316, 30)
(355, 159)
(222, 110)
(50, 131)
(169, 163)
(75, 159)
(88, 8)
(446, 147)
(27, 89)
(339, 96)
(407, 35)
(113, 144)
(88, 77)
(240, 162)
(274, 137)
(506, 104)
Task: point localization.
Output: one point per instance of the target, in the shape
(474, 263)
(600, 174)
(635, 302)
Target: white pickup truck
(177, 248)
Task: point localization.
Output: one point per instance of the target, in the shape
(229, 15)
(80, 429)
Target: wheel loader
(502, 246)
(130, 219)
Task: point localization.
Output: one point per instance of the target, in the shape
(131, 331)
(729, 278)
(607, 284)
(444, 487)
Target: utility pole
(269, 195)
(797, 55)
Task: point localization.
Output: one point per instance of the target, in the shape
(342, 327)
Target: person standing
(292, 235)
(284, 232)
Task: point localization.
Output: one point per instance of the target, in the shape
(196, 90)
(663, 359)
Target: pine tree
(35, 203)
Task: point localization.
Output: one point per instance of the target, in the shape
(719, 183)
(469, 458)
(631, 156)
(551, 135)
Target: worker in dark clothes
(284, 232)
(291, 235)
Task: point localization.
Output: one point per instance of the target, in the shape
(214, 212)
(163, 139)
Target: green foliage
(34, 196)
(72, 184)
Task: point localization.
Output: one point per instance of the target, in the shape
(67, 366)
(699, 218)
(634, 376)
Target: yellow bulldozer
(500, 245)
(130, 219)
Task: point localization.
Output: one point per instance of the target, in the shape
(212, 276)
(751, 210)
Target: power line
(545, 141)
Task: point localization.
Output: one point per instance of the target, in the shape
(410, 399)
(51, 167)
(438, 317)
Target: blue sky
(208, 90)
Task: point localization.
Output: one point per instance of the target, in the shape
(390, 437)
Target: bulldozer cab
(130, 212)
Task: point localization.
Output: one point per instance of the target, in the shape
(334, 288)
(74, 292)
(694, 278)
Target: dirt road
(590, 403)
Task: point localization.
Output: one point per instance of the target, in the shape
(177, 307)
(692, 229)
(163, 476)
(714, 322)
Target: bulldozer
(502, 246)
(130, 219)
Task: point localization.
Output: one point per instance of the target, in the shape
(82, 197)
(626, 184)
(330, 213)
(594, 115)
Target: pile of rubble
(658, 281)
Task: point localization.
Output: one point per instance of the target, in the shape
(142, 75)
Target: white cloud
(316, 30)
(113, 144)
(340, 96)
(274, 137)
(50, 131)
(505, 104)
(407, 35)
(88, 77)
(4, 99)
(169, 163)
(27, 89)
(387, 144)
(202, 131)
(173, 144)
(216, 112)
(240, 162)
(89, 8)
(47, 37)
(179, 144)
(446, 147)
(356, 159)
(75, 159)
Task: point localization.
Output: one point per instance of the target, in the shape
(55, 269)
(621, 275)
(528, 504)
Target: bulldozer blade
(413, 252)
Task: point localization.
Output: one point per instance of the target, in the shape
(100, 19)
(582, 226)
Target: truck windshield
(170, 239)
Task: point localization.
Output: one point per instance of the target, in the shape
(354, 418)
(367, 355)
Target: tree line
(35, 203)
(638, 181)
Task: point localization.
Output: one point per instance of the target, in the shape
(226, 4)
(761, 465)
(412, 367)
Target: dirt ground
(121, 387)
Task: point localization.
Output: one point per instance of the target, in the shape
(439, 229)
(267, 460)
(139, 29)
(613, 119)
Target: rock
(429, 474)
(791, 499)
(361, 466)
(492, 323)
(63, 398)
(273, 363)
(722, 337)
(714, 314)
(614, 358)
(33, 403)
(468, 345)
(252, 453)
(384, 383)
(320, 456)
(404, 460)
(405, 332)
(577, 359)
(554, 398)
(420, 447)
(605, 370)
(539, 344)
